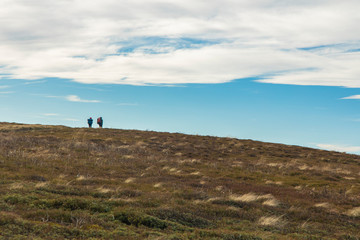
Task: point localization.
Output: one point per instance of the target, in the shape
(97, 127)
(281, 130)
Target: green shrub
(227, 236)
(74, 204)
(18, 199)
(192, 195)
(128, 193)
(349, 237)
(5, 207)
(186, 219)
(137, 219)
(100, 207)
(230, 203)
(6, 219)
(53, 215)
(65, 191)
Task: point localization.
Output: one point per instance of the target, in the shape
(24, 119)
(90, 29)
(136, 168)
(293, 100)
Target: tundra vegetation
(58, 182)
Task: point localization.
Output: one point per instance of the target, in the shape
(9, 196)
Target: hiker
(100, 122)
(90, 122)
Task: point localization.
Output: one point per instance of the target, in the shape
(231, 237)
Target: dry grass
(274, 221)
(157, 185)
(219, 188)
(103, 190)
(271, 202)
(40, 185)
(130, 180)
(251, 197)
(14, 186)
(355, 212)
(349, 178)
(80, 178)
(272, 182)
(323, 205)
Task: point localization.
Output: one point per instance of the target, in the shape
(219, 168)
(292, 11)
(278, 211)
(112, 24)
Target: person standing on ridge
(100, 122)
(90, 122)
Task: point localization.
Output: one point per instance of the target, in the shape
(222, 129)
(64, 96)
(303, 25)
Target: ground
(58, 182)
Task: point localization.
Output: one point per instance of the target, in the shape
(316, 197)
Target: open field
(77, 183)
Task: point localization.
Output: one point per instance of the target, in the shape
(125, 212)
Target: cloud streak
(74, 98)
(352, 97)
(338, 148)
(155, 42)
(51, 114)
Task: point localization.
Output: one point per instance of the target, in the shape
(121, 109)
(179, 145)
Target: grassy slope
(58, 182)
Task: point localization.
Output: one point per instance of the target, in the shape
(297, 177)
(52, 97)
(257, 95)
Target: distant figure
(100, 122)
(90, 122)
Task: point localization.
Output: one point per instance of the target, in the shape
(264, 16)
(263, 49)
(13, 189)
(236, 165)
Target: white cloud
(74, 98)
(227, 39)
(352, 97)
(35, 82)
(339, 148)
(51, 114)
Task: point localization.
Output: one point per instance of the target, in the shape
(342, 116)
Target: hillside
(77, 183)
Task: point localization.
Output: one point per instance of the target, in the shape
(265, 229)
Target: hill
(77, 183)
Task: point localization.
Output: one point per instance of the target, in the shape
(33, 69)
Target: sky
(281, 71)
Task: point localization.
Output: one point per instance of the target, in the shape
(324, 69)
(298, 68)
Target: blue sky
(314, 116)
(275, 70)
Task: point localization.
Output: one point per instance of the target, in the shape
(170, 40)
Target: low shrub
(192, 195)
(128, 193)
(349, 237)
(53, 215)
(184, 218)
(37, 178)
(230, 203)
(65, 191)
(74, 204)
(137, 219)
(227, 236)
(6, 219)
(18, 199)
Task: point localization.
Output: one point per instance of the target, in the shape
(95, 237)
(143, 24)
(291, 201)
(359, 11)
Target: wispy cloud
(161, 42)
(340, 148)
(48, 96)
(35, 82)
(74, 98)
(352, 97)
(51, 114)
(8, 92)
